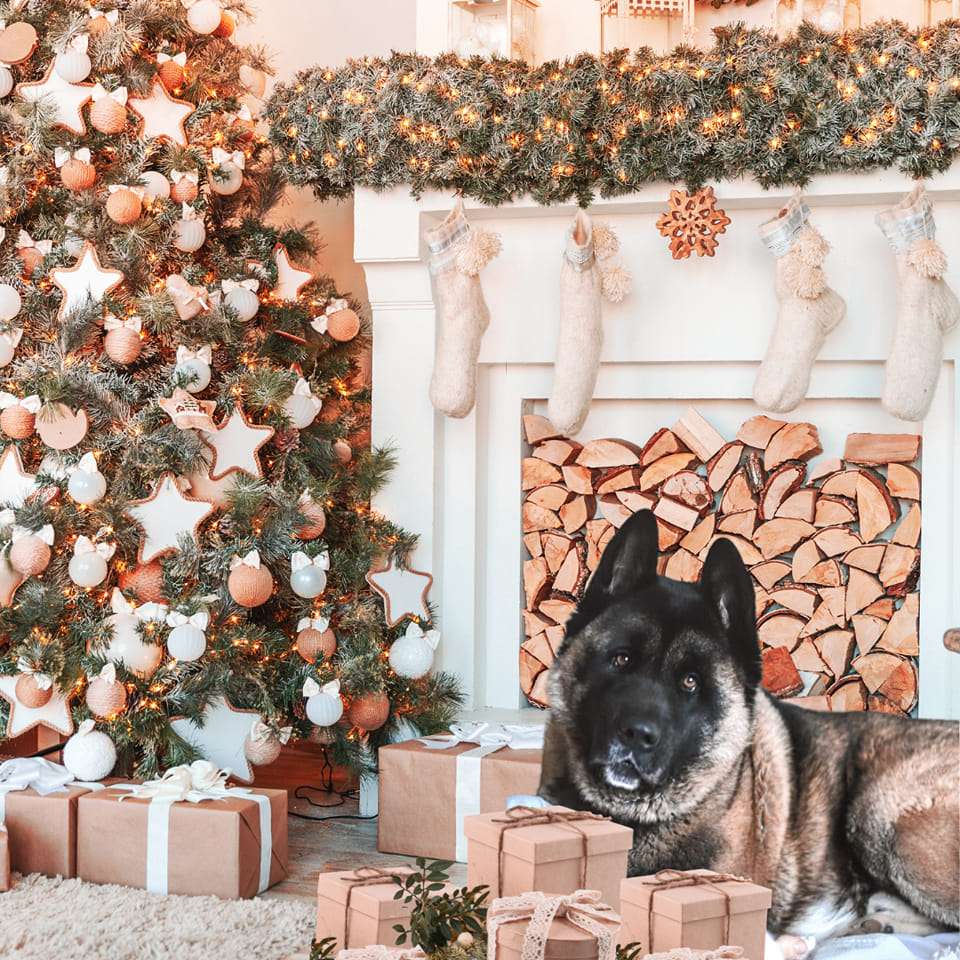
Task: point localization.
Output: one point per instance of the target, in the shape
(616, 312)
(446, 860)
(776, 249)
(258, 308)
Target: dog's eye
(620, 660)
(690, 683)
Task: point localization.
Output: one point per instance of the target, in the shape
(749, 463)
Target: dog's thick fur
(658, 719)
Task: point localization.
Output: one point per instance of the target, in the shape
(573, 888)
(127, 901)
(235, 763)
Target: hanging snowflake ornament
(693, 222)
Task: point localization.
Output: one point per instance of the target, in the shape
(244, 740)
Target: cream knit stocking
(458, 253)
(585, 275)
(808, 310)
(927, 307)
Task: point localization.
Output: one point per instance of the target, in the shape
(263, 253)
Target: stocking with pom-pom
(808, 308)
(458, 252)
(926, 307)
(587, 273)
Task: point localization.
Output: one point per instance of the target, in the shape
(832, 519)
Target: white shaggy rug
(42, 918)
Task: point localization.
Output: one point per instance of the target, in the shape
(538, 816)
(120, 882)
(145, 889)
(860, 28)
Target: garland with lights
(780, 111)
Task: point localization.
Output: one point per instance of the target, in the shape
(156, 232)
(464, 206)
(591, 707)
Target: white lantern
(187, 640)
(411, 656)
(308, 577)
(324, 706)
(504, 28)
(302, 406)
(88, 565)
(204, 16)
(241, 297)
(10, 302)
(89, 754)
(155, 185)
(87, 484)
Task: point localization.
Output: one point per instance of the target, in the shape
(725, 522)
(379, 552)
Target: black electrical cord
(340, 797)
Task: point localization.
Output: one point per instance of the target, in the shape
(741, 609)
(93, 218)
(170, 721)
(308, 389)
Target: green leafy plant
(324, 949)
(439, 915)
(629, 951)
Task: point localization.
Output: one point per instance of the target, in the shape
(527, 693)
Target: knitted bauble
(370, 711)
(29, 556)
(189, 235)
(108, 116)
(17, 422)
(343, 451)
(250, 586)
(184, 191)
(122, 345)
(316, 520)
(261, 752)
(144, 581)
(98, 25)
(29, 692)
(313, 645)
(124, 206)
(227, 26)
(171, 74)
(76, 175)
(31, 258)
(90, 755)
(106, 699)
(343, 325)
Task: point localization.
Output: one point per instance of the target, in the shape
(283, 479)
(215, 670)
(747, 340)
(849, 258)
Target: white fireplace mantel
(692, 332)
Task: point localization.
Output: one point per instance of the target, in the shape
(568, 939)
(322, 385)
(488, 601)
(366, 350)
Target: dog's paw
(789, 947)
(889, 914)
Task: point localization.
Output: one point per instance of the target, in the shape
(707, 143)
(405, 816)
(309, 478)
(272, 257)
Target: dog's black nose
(640, 734)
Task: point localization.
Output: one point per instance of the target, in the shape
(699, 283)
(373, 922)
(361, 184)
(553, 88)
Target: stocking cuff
(580, 256)
(909, 221)
(781, 231)
(446, 240)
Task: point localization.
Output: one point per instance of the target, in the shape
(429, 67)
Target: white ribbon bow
(139, 191)
(152, 612)
(100, 92)
(204, 353)
(415, 632)
(178, 58)
(25, 241)
(311, 688)
(190, 175)
(119, 603)
(111, 322)
(187, 212)
(220, 157)
(335, 306)
(300, 560)
(303, 389)
(252, 559)
(244, 114)
(199, 781)
(62, 156)
(319, 323)
(36, 773)
(320, 624)
(45, 533)
(111, 16)
(518, 736)
(86, 727)
(261, 732)
(42, 681)
(107, 673)
(80, 44)
(228, 286)
(200, 619)
(85, 545)
(32, 403)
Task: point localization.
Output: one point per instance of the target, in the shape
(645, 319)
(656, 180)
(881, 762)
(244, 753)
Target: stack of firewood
(833, 547)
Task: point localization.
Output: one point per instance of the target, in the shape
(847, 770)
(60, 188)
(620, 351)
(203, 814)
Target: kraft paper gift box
(554, 850)
(428, 787)
(232, 846)
(4, 859)
(694, 908)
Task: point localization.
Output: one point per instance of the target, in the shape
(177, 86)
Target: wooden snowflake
(692, 223)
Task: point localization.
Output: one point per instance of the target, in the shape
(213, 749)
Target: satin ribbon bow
(100, 92)
(85, 545)
(79, 44)
(41, 679)
(204, 353)
(123, 323)
(300, 561)
(320, 624)
(45, 533)
(415, 632)
(199, 781)
(119, 603)
(62, 156)
(36, 773)
(108, 673)
(151, 612)
(190, 175)
(244, 114)
(111, 16)
(228, 286)
(187, 212)
(180, 59)
(251, 559)
(260, 732)
(220, 157)
(114, 187)
(32, 403)
(319, 323)
(519, 736)
(25, 241)
(311, 688)
(335, 306)
(200, 619)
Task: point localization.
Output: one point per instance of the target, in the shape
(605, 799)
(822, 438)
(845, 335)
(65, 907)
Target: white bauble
(87, 488)
(411, 657)
(6, 81)
(186, 642)
(301, 410)
(244, 303)
(155, 185)
(253, 80)
(226, 179)
(204, 16)
(74, 66)
(90, 755)
(8, 350)
(308, 582)
(87, 569)
(189, 235)
(196, 374)
(10, 302)
(127, 647)
(324, 709)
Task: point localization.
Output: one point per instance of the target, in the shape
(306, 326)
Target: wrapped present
(429, 786)
(4, 859)
(186, 833)
(553, 849)
(377, 951)
(537, 926)
(694, 908)
(357, 907)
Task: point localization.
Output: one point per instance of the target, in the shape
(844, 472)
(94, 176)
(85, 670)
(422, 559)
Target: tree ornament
(342, 323)
(302, 406)
(32, 252)
(6, 81)
(55, 714)
(165, 516)
(89, 754)
(73, 63)
(87, 484)
(187, 300)
(171, 69)
(122, 341)
(290, 279)
(34, 688)
(369, 711)
(30, 550)
(241, 297)
(19, 417)
(343, 451)
(693, 222)
(125, 204)
(188, 639)
(411, 656)
(250, 582)
(126, 644)
(315, 639)
(163, 116)
(9, 339)
(226, 175)
(15, 485)
(10, 306)
(188, 413)
(193, 367)
(67, 99)
(155, 185)
(203, 16)
(263, 744)
(236, 444)
(227, 25)
(144, 581)
(185, 185)
(252, 80)
(77, 173)
(106, 696)
(17, 41)
(109, 111)
(316, 519)
(324, 706)
(101, 22)
(85, 282)
(88, 565)
(221, 737)
(404, 592)
(244, 119)
(308, 577)
(60, 427)
(189, 232)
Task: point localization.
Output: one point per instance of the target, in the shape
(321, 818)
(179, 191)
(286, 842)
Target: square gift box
(4, 860)
(694, 908)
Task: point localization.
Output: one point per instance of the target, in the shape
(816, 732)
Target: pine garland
(779, 111)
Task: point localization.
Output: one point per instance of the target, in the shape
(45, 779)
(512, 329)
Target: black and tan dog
(658, 719)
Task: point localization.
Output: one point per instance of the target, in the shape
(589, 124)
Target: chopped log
(552, 497)
(536, 581)
(862, 590)
(875, 506)
(683, 565)
(595, 531)
(539, 696)
(875, 449)
(738, 496)
(538, 518)
(578, 479)
(836, 649)
(608, 453)
(843, 484)
(761, 601)
(534, 622)
(539, 647)
(882, 608)
(530, 669)
(572, 575)
(875, 668)
(537, 473)
(668, 536)
(780, 676)
(700, 535)
(614, 510)
(556, 546)
(594, 553)
(900, 688)
(779, 536)
(801, 505)
(795, 441)
(879, 704)
(827, 573)
(722, 464)
(558, 452)
(836, 598)
(676, 513)
(617, 478)
(664, 468)
(824, 618)
(902, 634)
(805, 558)
(903, 481)
(867, 630)
(769, 573)
(690, 489)
(662, 561)
(742, 524)
(847, 694)
(907, 533)
(555, 635)
(807, 658)
(868, 557)
(537, 429)
(823, 468)
(749, 554)
(576, 512)
(799, 599)
(758, 431)
(899, 569)
(834, 511)
(635, 501)
(698, 435)
(558, 609)
(951, 640)
(821, 703)
(661, 444)
(534, 544)
(819, 686)
(780, 484)
(833, 541)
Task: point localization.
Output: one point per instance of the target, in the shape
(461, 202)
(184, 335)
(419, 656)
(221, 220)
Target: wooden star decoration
(221, 737)
(187, 412)
(165, 516)
(163, 116)
(68, 98)
(55, 714)
(290, 279)
(235, 445)
(85, 282)
(693, 222)
(15, 485)
(404, 592)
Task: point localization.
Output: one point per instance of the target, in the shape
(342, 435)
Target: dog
(659, 720)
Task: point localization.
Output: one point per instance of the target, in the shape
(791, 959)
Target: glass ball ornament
(195, 373)
(243, 302)
(411, 656)
(89, 754)
(73, 65)
(87, 487)
(308, 582)
(127, 646)
(226, 179)
(204, 16)
(324, 709)
(302, 410)
(10, 302)
(186, 642)
(87, 569)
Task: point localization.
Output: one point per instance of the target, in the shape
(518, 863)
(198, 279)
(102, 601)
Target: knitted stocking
(927, 307)
(808, 311)
(584, 277)
(458, 253)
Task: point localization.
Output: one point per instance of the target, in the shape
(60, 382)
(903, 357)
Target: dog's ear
(729, 589)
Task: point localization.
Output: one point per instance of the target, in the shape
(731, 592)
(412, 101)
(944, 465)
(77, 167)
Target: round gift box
(566, 941)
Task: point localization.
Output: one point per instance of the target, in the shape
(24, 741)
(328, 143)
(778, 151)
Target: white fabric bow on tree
(86, 545)
(152, 612)
(119, 603)
(139, 191)
(180, 59)
(26, 242)
(228, 286)
(251, 559)
(111, 16)
(108, 673)
(311, 688)
(261, 732)
(78, 44)
(204, 353)
(187, 212)
(133, 323)
(220, 157)
(45, 533)
(200, 619)
(100, 92)
(62, 156)
(41, 679)
(191, 176)
(300, 561)
(245, 114)
(32, 403)
(431, 637)
(320, 624)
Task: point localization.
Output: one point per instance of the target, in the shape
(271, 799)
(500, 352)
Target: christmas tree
(185, 472)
